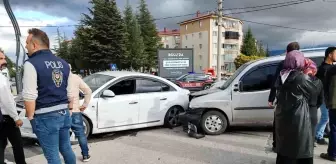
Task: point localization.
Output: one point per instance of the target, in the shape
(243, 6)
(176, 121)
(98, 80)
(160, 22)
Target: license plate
(191, 85)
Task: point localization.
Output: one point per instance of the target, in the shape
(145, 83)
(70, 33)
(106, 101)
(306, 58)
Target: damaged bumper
(193, 116)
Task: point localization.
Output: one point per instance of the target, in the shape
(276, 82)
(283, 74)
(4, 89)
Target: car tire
(87, 130)
(214, 123)
(207, 86)
(171, 119)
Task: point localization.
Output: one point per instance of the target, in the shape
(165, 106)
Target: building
(170, 38)
(201, 34)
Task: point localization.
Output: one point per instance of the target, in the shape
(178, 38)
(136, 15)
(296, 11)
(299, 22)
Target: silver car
(242, 99)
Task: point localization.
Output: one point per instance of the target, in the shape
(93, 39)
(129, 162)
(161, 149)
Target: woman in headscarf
(316, 99)
(294, 137)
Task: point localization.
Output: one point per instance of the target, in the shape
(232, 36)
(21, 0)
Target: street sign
(113, 67)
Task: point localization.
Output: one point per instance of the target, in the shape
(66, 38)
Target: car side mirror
(108, 93)
(238, 87)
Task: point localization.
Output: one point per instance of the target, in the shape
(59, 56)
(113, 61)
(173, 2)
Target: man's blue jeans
(320, 127)
(53, 133)
(78, 128)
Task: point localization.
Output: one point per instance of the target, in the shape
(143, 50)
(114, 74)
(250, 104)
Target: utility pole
(219, 42)
(18, 78)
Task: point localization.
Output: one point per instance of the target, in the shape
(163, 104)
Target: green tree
(105, 30)
(242, 59)
(149, 34)
(261, 51)
(135, 43)
(249, 46)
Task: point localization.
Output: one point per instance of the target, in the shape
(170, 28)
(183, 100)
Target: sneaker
(327, 157)
(321, 141)
(86, 158)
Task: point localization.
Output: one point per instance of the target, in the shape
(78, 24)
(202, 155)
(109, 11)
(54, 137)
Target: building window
(192, 35)
(200, 67)
(230, 46)
(200, 46)
(200, 56)
(192, 46)
(214, 45)
(186, 46)
(186, 27)
(214, 33)
(167, 46)
(231, 35)
(200, 35)
(200, 23)
(186, 37)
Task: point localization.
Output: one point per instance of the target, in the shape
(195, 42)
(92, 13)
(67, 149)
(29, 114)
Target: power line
(242, 8)
(293, 28)
(272, 7)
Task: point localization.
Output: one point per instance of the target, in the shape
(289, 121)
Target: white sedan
(126, 100)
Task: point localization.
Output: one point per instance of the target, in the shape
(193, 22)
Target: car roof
(124, 73)
(313, 52)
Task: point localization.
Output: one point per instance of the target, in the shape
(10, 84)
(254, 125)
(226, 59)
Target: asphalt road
(241, 145)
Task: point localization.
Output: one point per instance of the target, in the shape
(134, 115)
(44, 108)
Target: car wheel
(206, 87)
(87, 130)
(214, 123)
(171, 119)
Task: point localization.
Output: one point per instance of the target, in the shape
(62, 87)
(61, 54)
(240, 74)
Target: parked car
(194, 81)
(242, 99)
(126, 100)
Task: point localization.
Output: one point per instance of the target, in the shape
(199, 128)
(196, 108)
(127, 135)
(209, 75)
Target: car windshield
(95, 81)
(231, 78)
(181, 77)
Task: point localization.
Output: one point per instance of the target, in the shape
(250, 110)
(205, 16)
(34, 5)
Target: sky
(312, 15)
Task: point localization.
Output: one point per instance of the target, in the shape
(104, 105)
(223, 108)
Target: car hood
(205, 92)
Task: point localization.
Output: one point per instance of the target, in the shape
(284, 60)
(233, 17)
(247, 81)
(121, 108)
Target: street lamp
(17, 35)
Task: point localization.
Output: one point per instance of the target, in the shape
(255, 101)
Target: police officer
(48, 98)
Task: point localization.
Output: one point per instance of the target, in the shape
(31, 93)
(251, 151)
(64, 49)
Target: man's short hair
(2, 51)
(293, 46)
(40, 35)
(328, 51)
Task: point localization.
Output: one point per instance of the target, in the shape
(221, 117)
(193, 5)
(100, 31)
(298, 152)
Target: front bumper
(193, 116)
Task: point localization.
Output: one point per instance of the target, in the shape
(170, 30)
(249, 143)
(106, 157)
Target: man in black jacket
(330, 101)
(290, 47)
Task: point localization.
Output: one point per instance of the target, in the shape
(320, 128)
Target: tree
(268, 54)
(242, 59)
(104, 31)
(249, 47)
(261, 51)
(149, 34)
(135, 43)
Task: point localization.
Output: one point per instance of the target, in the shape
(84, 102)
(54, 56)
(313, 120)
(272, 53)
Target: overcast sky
(316, 15)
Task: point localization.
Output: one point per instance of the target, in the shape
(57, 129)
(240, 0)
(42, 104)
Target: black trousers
(10, 131)
(285, 160)
(274, 140)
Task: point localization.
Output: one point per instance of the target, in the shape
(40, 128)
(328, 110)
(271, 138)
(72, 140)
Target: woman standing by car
(294, 138)
(316, 99)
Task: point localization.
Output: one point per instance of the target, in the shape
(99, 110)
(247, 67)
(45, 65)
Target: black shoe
(321, 141)
(86, 158)
(327, 157)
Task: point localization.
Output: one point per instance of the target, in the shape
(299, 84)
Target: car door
(249, 102)
(120, 110)
(154, 99)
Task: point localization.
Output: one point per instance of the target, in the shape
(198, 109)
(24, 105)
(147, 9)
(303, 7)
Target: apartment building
(170, 38)
(201, 34)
